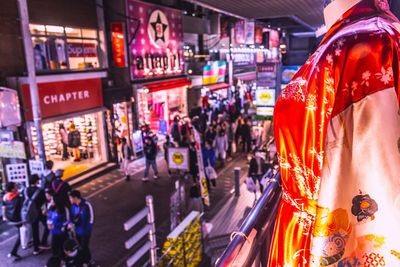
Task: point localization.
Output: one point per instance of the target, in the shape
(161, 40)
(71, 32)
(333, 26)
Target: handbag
(25, 232)
(251, 185)
(211, 173)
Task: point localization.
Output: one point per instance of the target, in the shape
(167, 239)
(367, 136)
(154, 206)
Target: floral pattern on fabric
(364, 208)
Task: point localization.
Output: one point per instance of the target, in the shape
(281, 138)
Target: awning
(247, 76)
(166, 85)
(217, 86)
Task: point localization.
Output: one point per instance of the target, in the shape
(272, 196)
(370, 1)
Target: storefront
(160, 102)
(69, 106)
(157, 64)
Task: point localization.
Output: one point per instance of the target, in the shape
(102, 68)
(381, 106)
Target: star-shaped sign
(159, 29)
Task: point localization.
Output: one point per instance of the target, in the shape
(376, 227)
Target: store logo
(158, 29)
(60, 98)
(177, 158)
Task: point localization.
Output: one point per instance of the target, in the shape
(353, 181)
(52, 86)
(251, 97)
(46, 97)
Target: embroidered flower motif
(311, 102)
(354, 87)
(338, 52)
(340, 42)
(365, 78)
(329, 58)
(364, 207)
(386, 75)
(295, 90)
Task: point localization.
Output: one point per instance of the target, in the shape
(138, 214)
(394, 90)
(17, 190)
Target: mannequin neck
(336, 9)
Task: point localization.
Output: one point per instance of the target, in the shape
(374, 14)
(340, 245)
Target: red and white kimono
(337, 127)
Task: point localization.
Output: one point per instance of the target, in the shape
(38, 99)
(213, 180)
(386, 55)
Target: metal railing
(250, 246)
(148, 230)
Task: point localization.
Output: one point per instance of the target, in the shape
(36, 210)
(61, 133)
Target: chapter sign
(178, 158)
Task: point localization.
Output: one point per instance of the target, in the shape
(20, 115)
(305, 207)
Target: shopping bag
(251, 185)
(211, 173)
(25, 232)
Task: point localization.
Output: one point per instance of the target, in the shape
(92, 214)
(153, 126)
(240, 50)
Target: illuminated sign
(118, 44)
(156, 42)
(214, 72)
(265, 97)
(265, 111)
(178, 158)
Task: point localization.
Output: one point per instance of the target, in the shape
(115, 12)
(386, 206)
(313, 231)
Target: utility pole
(30, 66)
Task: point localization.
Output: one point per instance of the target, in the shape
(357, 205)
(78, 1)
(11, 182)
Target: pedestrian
(230, 137)
(37, 195)
(175, 131)
(211, 134)
(150, 152)
(209, 161)
(48, 175)
(61, 188)
(221, 146)
(58, 217)
(193, 164)
(82, 220)
(74, 141)
(64, 141)
(126, 157)
(246, 136)
(195, 202)
(254, 170)
(73, 255)
(168, 144)
(12, 205)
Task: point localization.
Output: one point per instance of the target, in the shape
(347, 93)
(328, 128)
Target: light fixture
(55, 29)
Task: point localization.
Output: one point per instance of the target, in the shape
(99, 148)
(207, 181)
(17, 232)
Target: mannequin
(337, 130)
(334, 9)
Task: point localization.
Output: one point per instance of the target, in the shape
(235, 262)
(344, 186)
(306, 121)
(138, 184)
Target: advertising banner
(265, 97)
(17, 173)
(183, 246)
(10, 109)
(265, 111)
(240, 37)
(178, 158)
(137, 141)
(118, 44)
(82, 50)
(267, 74)
(156, 42)
(58, 98)
(202, 173)
(249, 31)
(36, 167)
(214, 72)
(13, 149)
(288, 73)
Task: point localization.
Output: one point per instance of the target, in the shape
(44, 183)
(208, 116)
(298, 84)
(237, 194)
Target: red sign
(118, 44)
(258, 35)
(59, 98)
(82, 50)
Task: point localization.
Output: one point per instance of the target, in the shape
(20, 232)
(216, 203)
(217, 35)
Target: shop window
(59, 48)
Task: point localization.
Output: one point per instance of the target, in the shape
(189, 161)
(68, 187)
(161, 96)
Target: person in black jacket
(150, 152)
(37, 194)
(246, 135)
(254, 170)
(194, 167)
(12, 205)
(61, 188)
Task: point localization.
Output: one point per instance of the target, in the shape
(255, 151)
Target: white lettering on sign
(72, 96)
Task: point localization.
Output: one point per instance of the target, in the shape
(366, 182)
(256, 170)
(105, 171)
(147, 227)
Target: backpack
(46, 180)
(74, 139)
(29, 211)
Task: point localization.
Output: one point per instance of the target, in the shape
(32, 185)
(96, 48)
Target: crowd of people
(49, 207)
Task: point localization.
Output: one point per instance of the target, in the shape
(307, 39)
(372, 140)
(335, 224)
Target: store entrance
(74, 144)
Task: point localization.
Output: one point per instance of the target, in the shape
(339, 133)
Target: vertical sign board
(202, 174)
(178, 158)
(118, 44)
(17, 173)
(36, 167)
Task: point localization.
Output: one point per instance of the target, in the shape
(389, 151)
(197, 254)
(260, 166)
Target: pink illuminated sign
(156, 49)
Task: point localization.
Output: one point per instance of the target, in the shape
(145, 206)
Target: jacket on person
(61, 190)
(253, 168)
(40, 199)
(166, 146)
(83, 218)
(150, 151)
(47, 177)
(58, 219)
(74, 139)
(12, 203)
(208, 157)
(194, 168)
(221, 143)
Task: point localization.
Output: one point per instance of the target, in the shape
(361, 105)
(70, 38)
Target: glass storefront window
(59, 146)
(58, 48)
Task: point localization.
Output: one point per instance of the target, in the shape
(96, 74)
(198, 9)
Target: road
(115, 201)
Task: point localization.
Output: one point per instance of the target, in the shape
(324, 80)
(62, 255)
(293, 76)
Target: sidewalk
(115, 200)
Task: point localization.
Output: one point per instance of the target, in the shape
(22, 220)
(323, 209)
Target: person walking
(58, 217)
(82, 220)
(221, 146)
(150, 152)
(64, 141)
(168, 144)
(209, 161)
(246, 136)
(12, 205)
(37, 195)
(126, 157)
(194, 167)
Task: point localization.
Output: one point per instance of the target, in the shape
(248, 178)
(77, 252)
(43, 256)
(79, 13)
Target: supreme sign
(59, 98)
